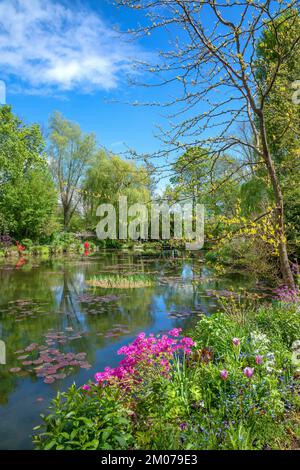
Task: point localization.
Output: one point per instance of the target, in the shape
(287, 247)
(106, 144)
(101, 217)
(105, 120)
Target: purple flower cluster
(285, 294)
(6, 241)
(145, 352)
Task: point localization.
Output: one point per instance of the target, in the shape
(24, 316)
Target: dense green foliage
(84, 424)
(110, 177)
(27, 193)
(235, 391)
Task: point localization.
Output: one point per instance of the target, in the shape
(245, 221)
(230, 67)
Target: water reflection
(46, 298)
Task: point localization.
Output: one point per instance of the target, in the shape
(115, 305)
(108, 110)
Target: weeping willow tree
(211, 55)
(109, 177)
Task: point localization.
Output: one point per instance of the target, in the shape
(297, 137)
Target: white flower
(260, 342)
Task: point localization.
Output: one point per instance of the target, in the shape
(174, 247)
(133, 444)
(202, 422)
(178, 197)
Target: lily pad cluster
(89, 298)
(117, 330)
(60, 337)
(95, 304)
(23, 309)
(187, 313)
(50, 363)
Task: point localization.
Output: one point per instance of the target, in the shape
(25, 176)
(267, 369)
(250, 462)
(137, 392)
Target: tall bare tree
(212, 56)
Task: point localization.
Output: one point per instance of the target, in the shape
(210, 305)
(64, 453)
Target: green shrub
(86, 423)
(66, 241)
(27, 243)
(40, 250)
(281, 323)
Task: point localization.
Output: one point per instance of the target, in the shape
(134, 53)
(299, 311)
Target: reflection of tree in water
(185, 293)
(17, 336)
(96, 318)
(68, 304)
(17, 285)
(38, 287)
(133, 310)
(30, 284)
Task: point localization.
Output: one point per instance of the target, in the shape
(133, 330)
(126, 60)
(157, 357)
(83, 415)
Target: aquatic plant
(48, 362)
(111, 281)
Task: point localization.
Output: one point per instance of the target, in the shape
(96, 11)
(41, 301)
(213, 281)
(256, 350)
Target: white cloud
(46, 46)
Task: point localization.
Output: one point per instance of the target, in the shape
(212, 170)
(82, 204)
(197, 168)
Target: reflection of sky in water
(187, 272)
(56, 285)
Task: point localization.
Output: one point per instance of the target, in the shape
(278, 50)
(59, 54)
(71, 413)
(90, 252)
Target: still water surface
(48, 303)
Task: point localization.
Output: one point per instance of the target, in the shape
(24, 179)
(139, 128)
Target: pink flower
(86, 387)
(248, 372)
(99, 376)
(236, 341)
(175, 332)
(224, 374)
(165, 363)
(145, 351)
(258, 359)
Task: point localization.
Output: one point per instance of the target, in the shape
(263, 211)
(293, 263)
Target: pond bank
(236, 388)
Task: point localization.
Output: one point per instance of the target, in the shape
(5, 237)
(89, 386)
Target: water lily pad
(32, 347)
(81, 355)
(85, 365)
(60, 376)
(49, 380)
(15, 370)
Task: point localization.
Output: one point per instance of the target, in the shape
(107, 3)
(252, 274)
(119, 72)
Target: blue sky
(63, 55)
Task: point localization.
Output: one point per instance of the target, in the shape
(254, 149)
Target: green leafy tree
(194, 178)
(110, 177)
(71, 152)
(27, 194)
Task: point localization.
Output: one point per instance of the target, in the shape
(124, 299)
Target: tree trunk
(285, 267)
(67, 218)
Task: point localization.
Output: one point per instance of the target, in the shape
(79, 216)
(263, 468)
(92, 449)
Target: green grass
(108, 281)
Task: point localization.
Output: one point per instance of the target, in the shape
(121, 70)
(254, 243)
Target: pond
(50, 318)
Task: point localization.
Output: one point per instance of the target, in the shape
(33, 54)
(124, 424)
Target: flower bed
(231, 386)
